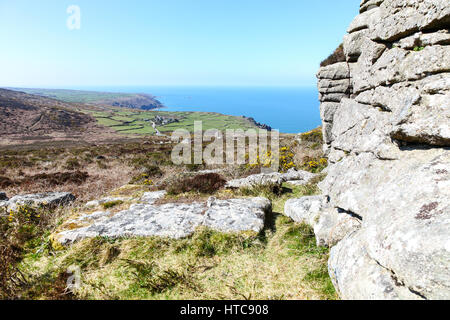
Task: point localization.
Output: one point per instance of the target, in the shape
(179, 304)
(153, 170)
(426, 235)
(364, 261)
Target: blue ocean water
(288, 109)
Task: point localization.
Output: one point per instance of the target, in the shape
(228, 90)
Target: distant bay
(288, 109)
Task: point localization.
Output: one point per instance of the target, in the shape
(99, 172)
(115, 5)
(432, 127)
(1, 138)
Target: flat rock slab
(275, 178)
(152, 197)
(49, 199)
(237, 214)
(256, 180)
(172, 220)
(298, 177)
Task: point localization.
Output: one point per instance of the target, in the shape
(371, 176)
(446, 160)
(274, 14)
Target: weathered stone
(140, 220)
(237, 215)
(420, 39)
(405, 207)
(333, 225)
(173, 220)
(336, 155)
(327, 132)
(369, 5)
(361, 21)
(152, 197)
(363, 131)
(334, 86)
(399, 18)
(332, 97)
(398, 65)
(49, 199)
(255, 180)
(306, 209)
(327, 110)
(299, 177)
(335, 71)
(420, 110)
(357, 276)
(353, 44)
(387, 145)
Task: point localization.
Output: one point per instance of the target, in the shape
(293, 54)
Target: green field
(139, 122)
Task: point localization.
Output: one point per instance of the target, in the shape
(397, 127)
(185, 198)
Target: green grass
(133, 122)
(111, 204)
(281, 262)
(208, 265)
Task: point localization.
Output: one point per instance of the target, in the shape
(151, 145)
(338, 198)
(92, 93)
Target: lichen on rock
(387, 136)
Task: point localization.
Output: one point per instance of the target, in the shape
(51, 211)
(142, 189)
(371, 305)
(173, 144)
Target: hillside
(29, 114)
(27, 118)
(124, 100)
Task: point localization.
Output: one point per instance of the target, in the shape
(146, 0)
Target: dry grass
(87, 172)
(337, 56)
(203, 183)
(282, 262)
(153, 268)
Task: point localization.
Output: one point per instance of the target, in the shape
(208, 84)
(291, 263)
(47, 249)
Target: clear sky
(169, 42)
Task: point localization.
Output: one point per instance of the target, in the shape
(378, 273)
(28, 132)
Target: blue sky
(169, 42)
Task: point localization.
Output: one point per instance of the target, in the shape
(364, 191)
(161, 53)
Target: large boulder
(359, 277)
(333, 224)
(330, 224)
(387, 141)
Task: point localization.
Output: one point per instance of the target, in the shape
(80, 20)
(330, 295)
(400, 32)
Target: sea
(287, 109)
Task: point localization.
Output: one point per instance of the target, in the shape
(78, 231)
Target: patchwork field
(140, 122)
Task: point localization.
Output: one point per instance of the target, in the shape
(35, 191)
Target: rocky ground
(158, 234)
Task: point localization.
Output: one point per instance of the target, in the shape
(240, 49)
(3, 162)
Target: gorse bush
(314, 136)
(202, 183)
(314, 165)
(147, 172)
(286, 160)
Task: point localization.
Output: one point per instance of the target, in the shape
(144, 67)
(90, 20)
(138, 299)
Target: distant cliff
(138, 101)
(124, 100)
(385, 109)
